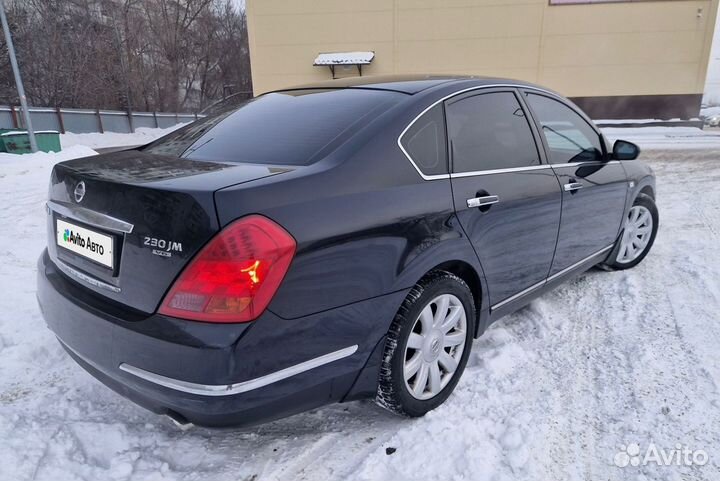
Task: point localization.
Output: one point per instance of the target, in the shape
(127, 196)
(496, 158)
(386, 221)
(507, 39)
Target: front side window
(569, 137)
(488, 132)
(425, 142)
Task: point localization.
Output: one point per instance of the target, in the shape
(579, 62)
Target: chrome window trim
(90, 217)
(529, 167)
(500, 171)
(84, 277)
(240, 387)
(549, 279)
(589, 162)
(460, 92)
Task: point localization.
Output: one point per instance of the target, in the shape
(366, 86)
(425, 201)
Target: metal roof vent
(333, 59)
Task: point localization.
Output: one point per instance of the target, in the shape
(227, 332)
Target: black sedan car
(331, 242)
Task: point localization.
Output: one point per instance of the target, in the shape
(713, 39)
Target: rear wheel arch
(470, 276)
(431, 341)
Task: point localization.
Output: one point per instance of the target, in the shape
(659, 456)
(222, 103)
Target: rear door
(594, 189)
(507, 199)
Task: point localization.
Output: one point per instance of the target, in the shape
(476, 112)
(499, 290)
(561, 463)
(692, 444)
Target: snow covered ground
(551, 393)
(141, 136)
(653, 138)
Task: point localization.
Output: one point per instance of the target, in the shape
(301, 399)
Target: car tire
(630, 248)
(424, 344)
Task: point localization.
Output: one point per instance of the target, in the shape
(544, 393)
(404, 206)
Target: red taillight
(233, 278)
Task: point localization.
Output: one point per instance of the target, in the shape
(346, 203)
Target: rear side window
(286, 128)
(425, 142)
(490, 131)
(569, 137)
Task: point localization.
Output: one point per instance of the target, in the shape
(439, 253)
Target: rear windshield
(287, 128)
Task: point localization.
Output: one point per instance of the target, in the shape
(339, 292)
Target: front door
(594, 189)
(508, 201)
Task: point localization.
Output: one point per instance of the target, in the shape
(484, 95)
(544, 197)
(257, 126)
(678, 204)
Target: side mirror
(624, 150)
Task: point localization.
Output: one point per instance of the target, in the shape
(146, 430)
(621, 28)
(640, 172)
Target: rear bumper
(218, 374)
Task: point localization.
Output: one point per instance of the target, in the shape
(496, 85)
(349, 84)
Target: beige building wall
(591, 50)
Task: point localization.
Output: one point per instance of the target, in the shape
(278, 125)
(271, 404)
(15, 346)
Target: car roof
(407, 84)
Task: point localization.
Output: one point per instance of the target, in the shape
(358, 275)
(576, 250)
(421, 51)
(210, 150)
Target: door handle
(486, 200)
(572, 186)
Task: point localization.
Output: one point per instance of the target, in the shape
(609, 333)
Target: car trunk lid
(125, 224)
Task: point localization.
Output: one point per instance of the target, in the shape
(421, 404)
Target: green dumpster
(2, 144)
(18, 141)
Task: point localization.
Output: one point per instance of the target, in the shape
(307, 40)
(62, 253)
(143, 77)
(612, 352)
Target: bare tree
(167, 55)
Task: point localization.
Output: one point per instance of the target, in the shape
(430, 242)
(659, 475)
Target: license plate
(85, 242)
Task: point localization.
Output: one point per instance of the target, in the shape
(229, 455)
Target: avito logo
(80, 241)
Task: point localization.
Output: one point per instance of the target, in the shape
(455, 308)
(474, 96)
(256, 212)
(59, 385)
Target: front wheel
(639, 230)
(427, 346)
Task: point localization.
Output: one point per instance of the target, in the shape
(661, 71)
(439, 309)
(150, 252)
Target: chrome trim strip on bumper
(92, 363)
(90, 217)
(84, 277)
(551, 278)
(241, 387)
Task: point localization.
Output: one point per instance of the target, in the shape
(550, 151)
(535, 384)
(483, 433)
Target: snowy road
(550, 393)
